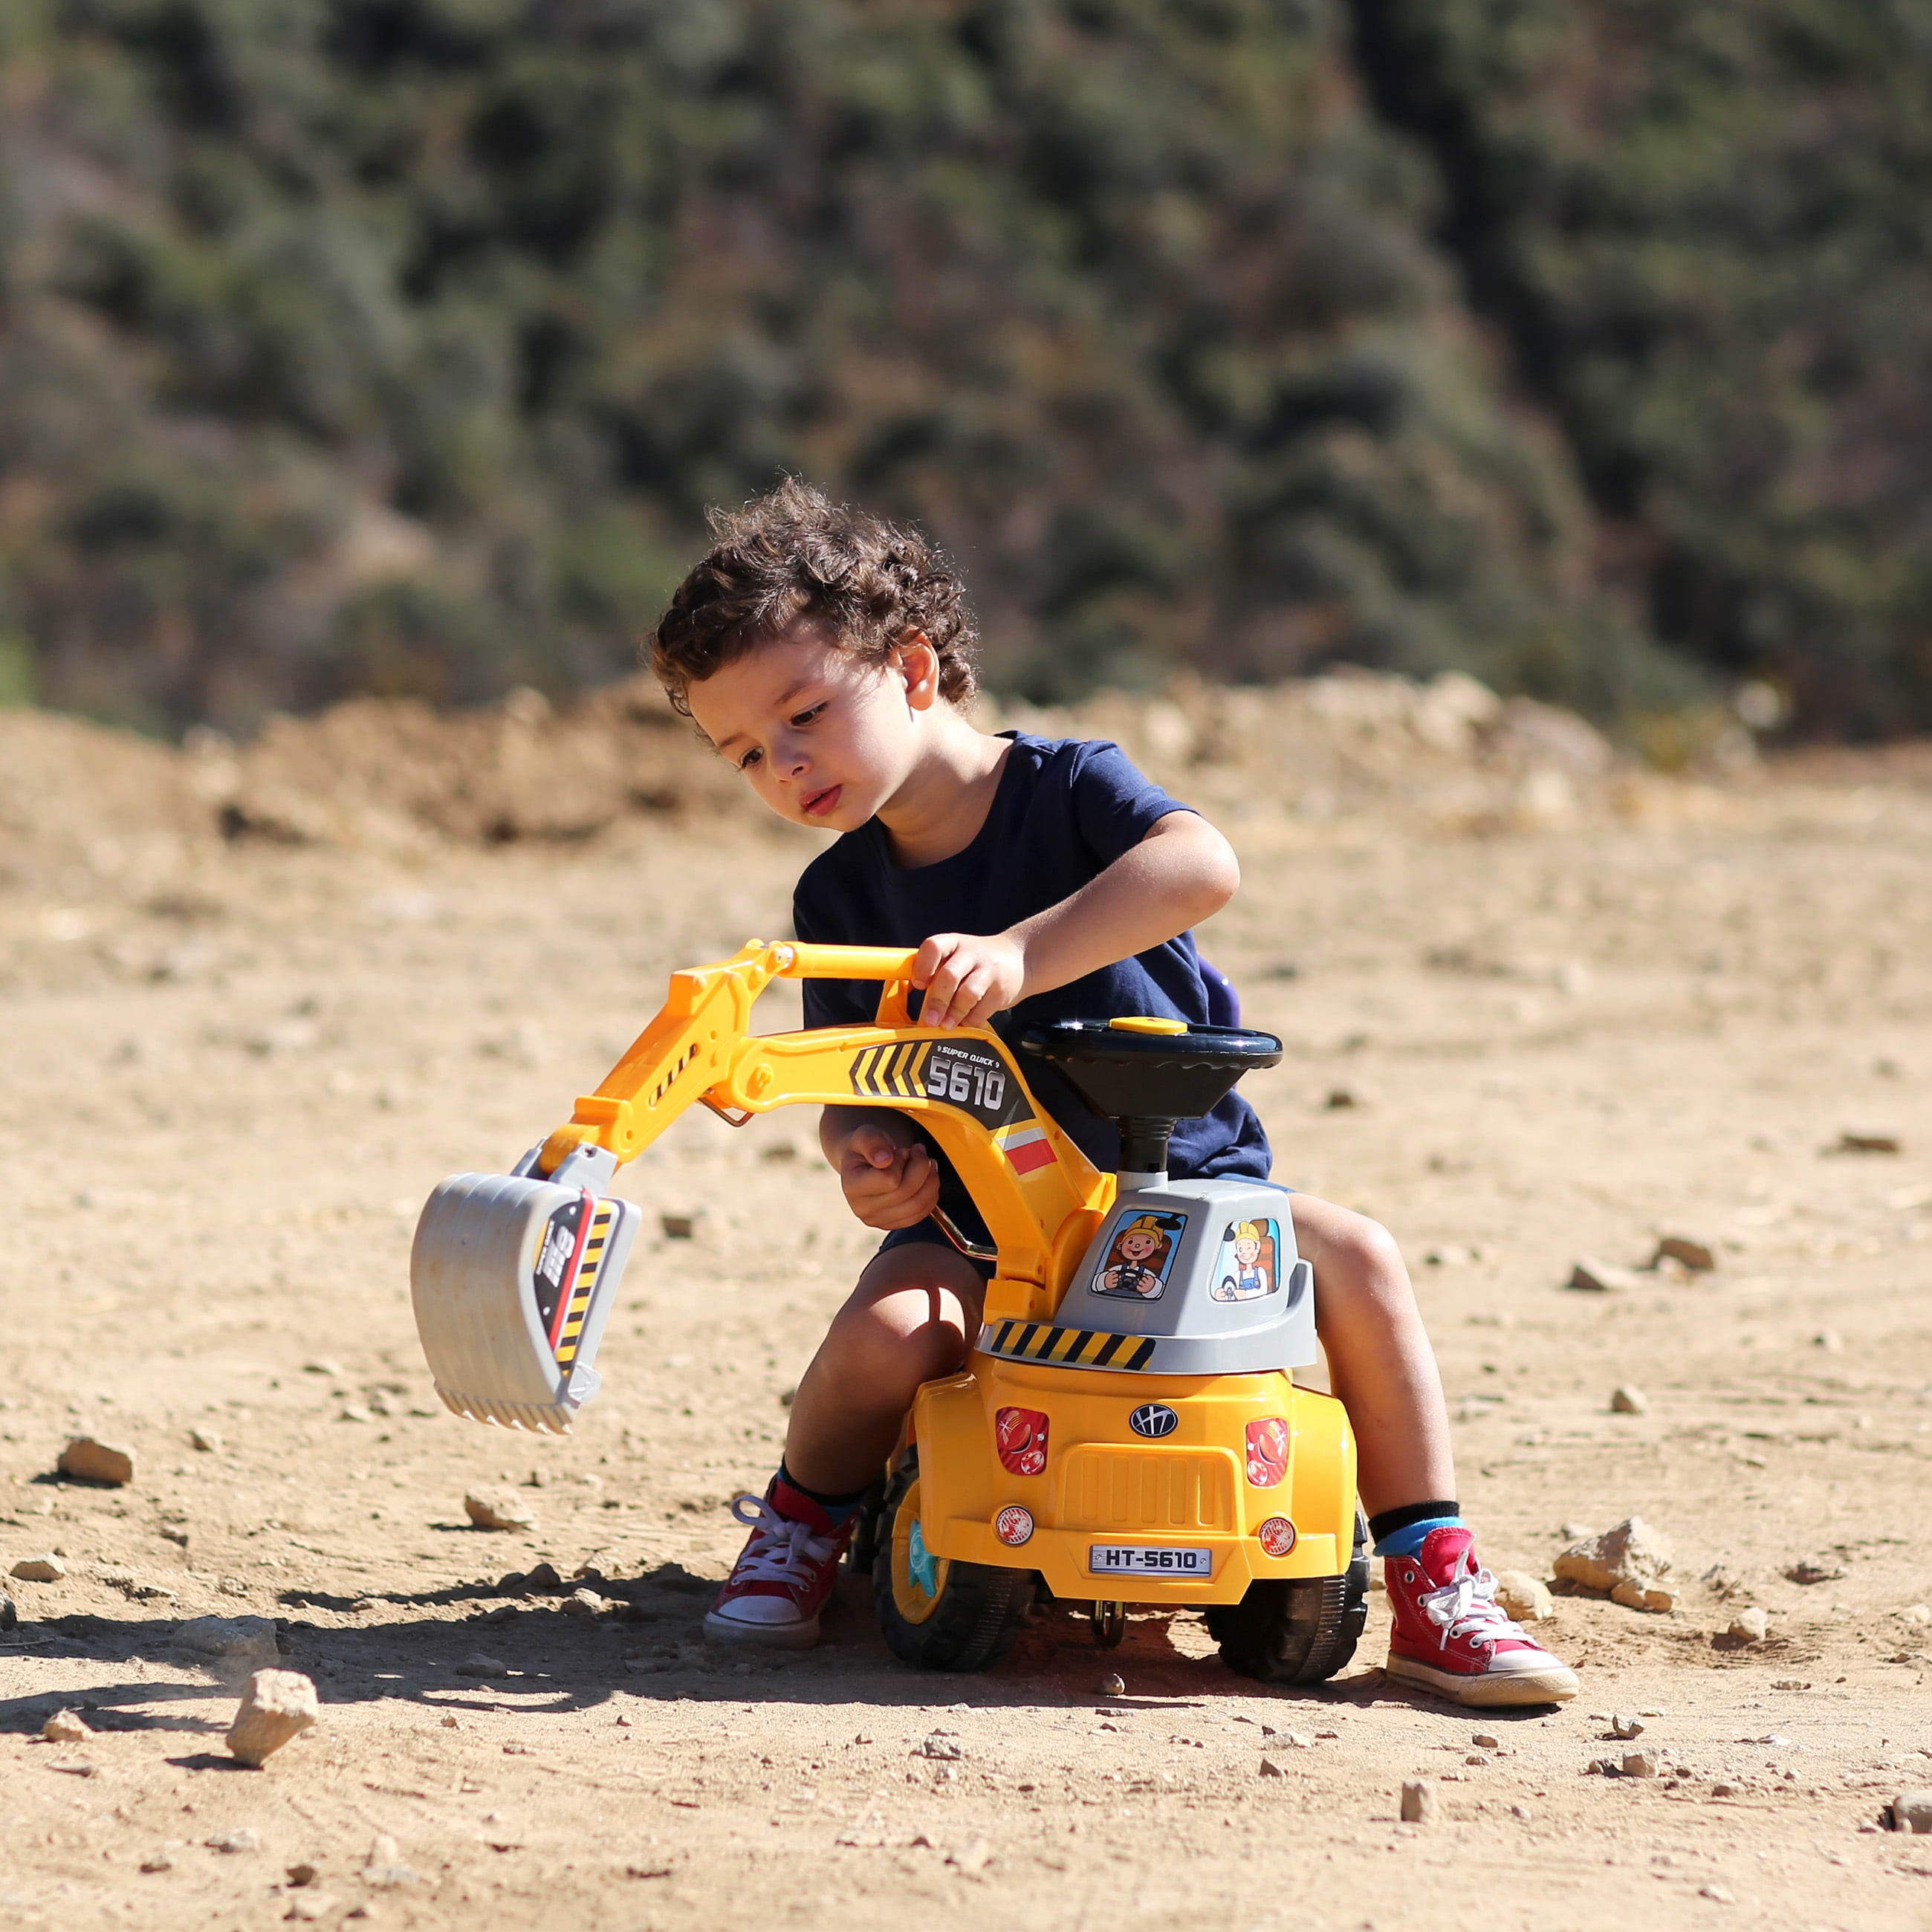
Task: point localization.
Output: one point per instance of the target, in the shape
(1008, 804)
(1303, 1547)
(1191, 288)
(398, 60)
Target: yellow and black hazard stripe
(602, 1221)
(1077, 1347)
(891, 1071)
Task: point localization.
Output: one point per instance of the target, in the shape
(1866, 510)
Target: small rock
(1523, 1597)
(311, 1906)
(541, 1579)
(67, 1727)
(1751, 1626)
(1830, 1340)
(236, 1641)
(1486, 1741)
(1113, 1685)
(1811, 1570)
(1916, 1613)
(1522, 1811)
(301, 1875)
(207, 1441)
(10, 1617)
(584, 1603)
(1635, 1596)
(1418, 1800)
(384, 1869)
(322, 1366)
(1695, 1255)
(498, 1508)
(1271, 1769)
(1791, 1683)
(1723, 1789)
(1912, 1811)
(1631, 1553)
(1721, 1895)
(43, 1569)
(86, 1460)
(971, 1858)
(482, 1665)
(1626, 1727)
(1850, 1142)
(678, 1227)
(1596, 1277)
(158, 1861)
(1639, 1764)
(278, 1705)
(241, 1839)
(1341, 1098)
(1575, 1531)
(938, 1745)
(1627, 1399)
(72, 1767)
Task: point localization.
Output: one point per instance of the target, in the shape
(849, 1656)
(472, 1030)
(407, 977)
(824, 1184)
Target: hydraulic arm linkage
(514, 1276)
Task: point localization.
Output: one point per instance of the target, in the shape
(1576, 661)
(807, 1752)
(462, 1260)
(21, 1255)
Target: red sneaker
(1451, 1636)
(783, 1574)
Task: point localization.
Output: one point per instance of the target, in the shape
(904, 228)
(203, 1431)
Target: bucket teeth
(539, 1418)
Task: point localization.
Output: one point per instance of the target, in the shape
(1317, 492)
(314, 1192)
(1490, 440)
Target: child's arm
(1179, 873)
(889, 1180)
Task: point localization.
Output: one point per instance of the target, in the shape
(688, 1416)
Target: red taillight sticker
(1268, 1451)
(1276, 1537)
(1020, 1436)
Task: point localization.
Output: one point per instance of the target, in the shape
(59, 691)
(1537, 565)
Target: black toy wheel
(941, 1614)
(861, 1548)
(1300, 1631)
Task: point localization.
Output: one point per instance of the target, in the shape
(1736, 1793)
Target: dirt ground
(232, 1077)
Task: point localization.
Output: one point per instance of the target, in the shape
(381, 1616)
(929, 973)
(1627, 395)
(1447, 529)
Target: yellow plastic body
(1043, 1200)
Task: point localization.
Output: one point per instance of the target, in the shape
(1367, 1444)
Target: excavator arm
(514, 1276)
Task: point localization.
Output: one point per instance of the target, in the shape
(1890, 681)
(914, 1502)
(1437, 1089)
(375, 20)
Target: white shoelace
(1468, 1607)
(780, 1551)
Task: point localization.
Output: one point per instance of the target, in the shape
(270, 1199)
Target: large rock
(278, 1705)
(45, 1569)
(498, 1508)
(1629, 1564)
(85, 1460)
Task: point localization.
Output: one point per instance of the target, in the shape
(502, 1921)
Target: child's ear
(919, 665)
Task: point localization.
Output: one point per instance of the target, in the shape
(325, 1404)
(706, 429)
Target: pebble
(240, 1839)
(971, 1858)
(938, 1745)
(1523, 1597)
(1596, 1277)
(384, 1869)
(67, 1727)
(207, 1441)
(498, 1508)
(1626, 1727)
(1751, 1626)
(85, 1460)
(1721, 1893)
(482, 1665)
(309, 1907)
(158, 1861)
(1722, 1789)
(1912, 1811)
(47, 1568)
(678, 1227)
(1271, 1769)
(1418, 1801)
(1830, 1340)
(301, 1875)
(1113, 1685)
(278, 1705)
(1639, 1764)
(1811, 1570)
(584, 1603)
(1698, 1256)
(1486, 1741)
(1627, 1399)
(9, 1616)
(322, 1366)
(1852, 1142)
(1916, 1613)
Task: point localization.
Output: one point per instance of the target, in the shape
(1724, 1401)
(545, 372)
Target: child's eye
(750, 759)
(806, 716)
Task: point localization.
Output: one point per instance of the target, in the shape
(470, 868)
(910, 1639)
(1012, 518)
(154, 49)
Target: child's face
(825, 737)
(1137, 1246)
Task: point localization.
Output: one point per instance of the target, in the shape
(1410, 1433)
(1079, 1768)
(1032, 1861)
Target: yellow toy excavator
(1126, 1428)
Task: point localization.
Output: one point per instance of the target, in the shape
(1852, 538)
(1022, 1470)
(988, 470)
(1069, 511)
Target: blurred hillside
(395, 346)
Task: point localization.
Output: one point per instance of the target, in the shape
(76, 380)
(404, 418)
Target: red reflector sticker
(1020, 1436)
(1030, 1149)
(1276, 1536)
(1013, 1524)
(1268, 1451)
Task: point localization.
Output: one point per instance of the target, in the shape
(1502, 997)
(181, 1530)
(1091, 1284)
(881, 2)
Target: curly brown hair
(794, 556)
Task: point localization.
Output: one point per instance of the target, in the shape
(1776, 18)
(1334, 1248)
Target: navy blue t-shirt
(1065, 810)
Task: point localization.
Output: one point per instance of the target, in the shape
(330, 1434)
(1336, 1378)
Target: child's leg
(1380, 1363)
(912, 1317)
(1448, 1632)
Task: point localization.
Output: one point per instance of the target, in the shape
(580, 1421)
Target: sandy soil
(226, 1097)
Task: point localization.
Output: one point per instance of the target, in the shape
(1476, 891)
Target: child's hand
(887, 1185)
(968, 977)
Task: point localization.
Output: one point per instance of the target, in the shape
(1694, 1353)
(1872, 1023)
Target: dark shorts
(930, 1231)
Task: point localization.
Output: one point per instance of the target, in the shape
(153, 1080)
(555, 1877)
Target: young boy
(828, 655)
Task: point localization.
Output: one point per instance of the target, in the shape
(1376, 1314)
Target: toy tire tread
(980, 1612)
(1300, 1631)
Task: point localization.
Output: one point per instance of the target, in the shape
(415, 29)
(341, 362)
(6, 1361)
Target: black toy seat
(1149, 1074)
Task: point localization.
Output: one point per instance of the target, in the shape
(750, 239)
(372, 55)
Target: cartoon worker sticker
(1137, 1262)
(1246, 1268)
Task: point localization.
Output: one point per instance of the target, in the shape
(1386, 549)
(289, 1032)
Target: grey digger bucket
(513, 1278)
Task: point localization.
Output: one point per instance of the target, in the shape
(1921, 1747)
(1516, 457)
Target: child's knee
(1345, 1248)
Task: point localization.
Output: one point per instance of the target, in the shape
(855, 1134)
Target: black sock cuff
(1381, 1527)
(820, 1497)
